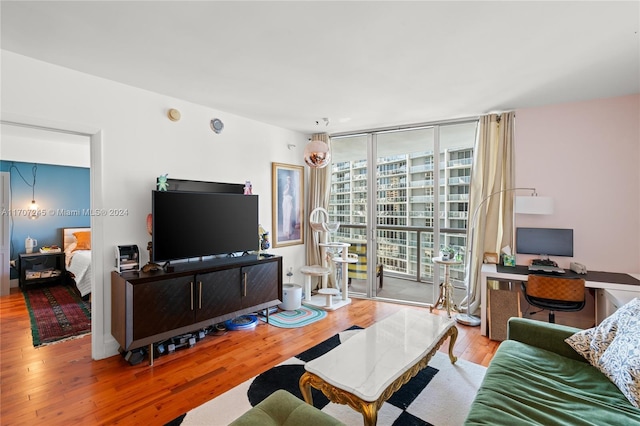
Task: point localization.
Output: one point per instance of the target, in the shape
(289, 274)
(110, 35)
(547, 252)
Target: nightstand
(40, 268)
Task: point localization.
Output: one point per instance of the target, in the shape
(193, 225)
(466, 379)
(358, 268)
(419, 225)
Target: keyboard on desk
(546, 268)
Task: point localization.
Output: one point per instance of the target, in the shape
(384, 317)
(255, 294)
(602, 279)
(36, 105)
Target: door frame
(102, 344)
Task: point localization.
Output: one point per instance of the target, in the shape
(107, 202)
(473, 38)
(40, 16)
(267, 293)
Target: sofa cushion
(283, 408)
(528, 385)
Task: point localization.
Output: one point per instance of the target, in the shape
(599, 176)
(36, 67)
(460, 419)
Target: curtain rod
(405, 127)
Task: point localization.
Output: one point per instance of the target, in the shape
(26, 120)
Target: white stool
(329, 293)
(312, 271)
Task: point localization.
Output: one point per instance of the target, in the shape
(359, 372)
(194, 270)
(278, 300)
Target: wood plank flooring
(60, 384)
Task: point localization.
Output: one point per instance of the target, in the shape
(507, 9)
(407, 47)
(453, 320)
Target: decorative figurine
(150, 266)
(163, 185)
(248, 189)
(264, 238)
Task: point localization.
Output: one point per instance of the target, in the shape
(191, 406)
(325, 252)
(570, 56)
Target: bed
(76, 243)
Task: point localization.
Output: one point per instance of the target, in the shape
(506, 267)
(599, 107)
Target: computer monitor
(544, 241)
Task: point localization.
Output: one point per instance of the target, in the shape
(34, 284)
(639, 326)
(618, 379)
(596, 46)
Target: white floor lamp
(527, 205)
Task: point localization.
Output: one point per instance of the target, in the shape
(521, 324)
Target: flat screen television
(194, 224)
(544, 241)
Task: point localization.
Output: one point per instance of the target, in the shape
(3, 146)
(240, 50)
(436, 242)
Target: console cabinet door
(259, 283)
(160, 306)
(218, 293)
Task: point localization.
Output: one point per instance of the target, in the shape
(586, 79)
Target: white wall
(43, 146)
(134, 142)
(586, 156)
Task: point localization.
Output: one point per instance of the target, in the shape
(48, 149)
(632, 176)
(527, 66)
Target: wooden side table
(446, 292)
(40, 268)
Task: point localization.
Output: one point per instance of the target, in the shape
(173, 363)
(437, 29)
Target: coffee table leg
(305, 388)
(370, 413)
(453, 332)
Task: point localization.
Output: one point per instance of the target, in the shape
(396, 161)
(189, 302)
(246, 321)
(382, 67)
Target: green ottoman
(282, 408)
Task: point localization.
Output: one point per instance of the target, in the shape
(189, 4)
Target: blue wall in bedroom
(58, 190)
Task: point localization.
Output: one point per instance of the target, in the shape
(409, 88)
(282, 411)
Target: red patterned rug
(56, 313)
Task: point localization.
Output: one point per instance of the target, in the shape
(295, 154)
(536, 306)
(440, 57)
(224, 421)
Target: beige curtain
(319, 188)
(492, 172)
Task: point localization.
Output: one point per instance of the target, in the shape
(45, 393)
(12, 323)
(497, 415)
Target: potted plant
(447, 253)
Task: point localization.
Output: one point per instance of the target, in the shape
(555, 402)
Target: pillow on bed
(68, 253)
(83, 240)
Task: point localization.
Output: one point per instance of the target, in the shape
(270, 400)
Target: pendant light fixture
(33, 207)
(317, 154)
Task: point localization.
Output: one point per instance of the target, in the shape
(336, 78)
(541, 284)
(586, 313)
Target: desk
(601, 281)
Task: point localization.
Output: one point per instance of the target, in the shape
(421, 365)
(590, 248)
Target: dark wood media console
(150, 307)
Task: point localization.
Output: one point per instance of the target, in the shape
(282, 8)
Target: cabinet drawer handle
(200, 295)
(191, 295)
(245, 284)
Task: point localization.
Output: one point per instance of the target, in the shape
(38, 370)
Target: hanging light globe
(317, 154)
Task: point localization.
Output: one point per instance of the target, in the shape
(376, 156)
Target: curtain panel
(493, 171)
(319, 191)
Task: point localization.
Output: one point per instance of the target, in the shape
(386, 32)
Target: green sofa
(283, 408)
(537, 378)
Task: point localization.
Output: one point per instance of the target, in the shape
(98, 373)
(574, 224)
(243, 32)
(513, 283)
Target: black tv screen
(194, 224)
(544, 241)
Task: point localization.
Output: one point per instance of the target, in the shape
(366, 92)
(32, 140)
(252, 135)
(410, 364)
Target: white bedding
(80, 265)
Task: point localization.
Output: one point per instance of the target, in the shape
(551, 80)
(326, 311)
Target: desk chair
(554, 294)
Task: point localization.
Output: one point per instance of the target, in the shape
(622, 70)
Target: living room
(582, 152)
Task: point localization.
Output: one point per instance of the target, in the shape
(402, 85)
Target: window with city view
(419, 199)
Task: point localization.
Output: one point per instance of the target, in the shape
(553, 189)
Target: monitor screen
(544, 241)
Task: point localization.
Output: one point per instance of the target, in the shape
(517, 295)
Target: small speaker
(503, 304)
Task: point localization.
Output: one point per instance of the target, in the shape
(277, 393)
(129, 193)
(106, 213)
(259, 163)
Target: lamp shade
(534, 205)
(317, 154)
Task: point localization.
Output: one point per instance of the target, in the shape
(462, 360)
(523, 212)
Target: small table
(40, 268)
(446, 295)
(395, 349)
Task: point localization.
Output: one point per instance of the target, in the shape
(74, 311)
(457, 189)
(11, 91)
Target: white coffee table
(368, 368)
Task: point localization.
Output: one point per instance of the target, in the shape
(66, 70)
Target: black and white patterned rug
(440, 395)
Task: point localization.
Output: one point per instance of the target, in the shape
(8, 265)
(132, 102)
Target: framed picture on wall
(287, 186)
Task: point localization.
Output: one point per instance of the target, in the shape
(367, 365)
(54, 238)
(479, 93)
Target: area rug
(296, 318)
(57, 313)
(440, 395)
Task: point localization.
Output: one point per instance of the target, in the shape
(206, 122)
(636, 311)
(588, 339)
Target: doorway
(92, 139)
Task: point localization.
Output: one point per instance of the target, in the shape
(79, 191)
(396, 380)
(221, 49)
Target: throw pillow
(621, 361)
(83, 240)
(612, 347)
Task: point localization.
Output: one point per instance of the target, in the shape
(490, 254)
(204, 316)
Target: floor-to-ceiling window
(400, 195)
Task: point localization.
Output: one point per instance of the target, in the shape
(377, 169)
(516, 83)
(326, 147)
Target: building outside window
(419, 196)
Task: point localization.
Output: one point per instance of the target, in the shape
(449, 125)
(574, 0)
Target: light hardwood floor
(60, 384)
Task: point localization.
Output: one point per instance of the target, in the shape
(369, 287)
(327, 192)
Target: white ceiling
(362, 64)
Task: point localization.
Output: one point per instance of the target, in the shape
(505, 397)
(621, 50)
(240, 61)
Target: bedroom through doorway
(52, 169)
